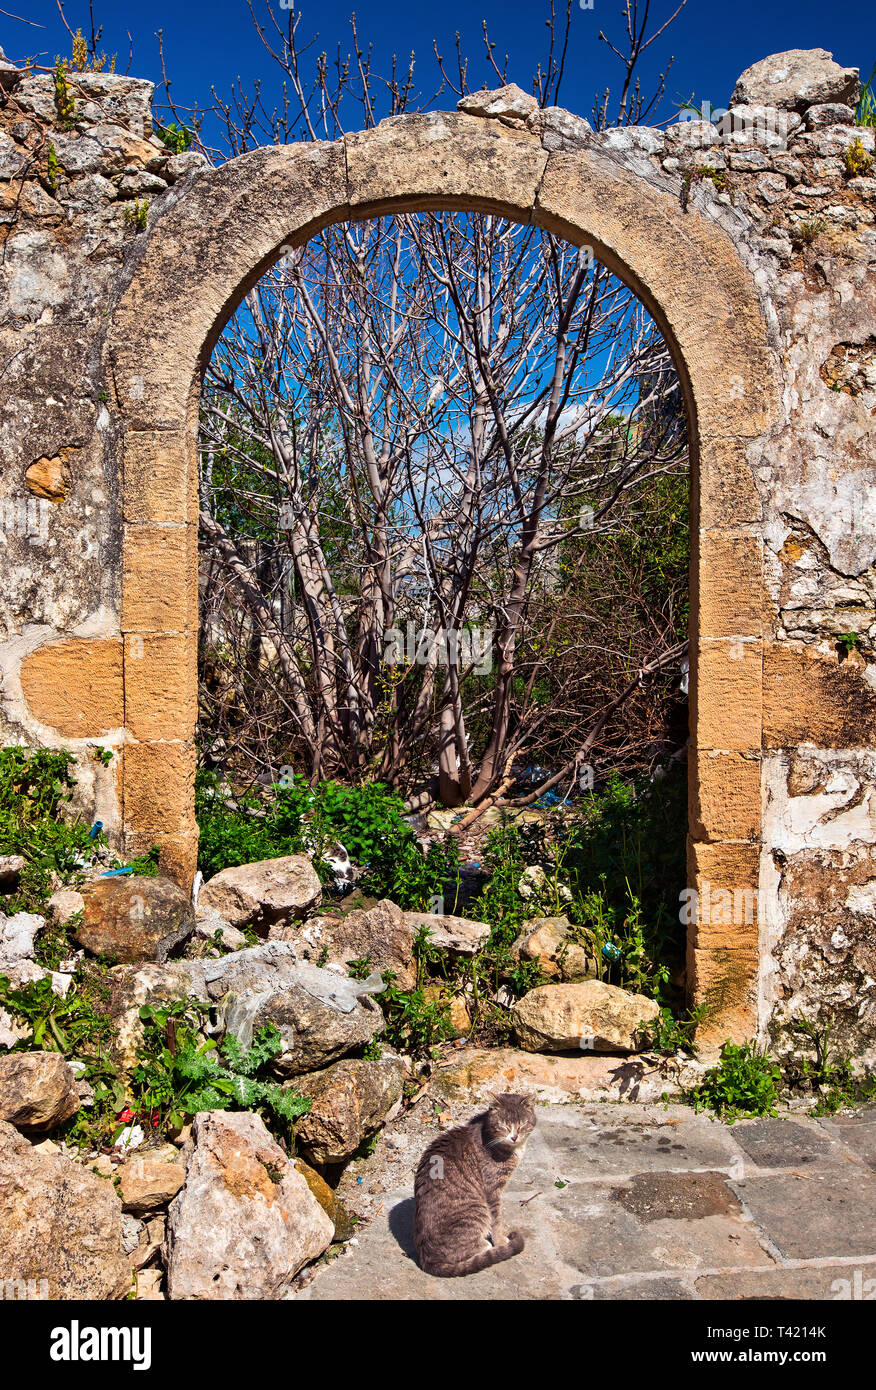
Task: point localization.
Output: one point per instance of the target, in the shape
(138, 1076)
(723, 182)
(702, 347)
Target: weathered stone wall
(754, 245)
(69, 205)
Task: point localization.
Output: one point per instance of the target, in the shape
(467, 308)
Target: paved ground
(630, 1201)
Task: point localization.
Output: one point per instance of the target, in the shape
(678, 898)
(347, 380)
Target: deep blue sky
(213, 41)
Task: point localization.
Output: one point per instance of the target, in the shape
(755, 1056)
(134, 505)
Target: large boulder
(459, 936)
(548, 940)
(321, 1014)
(351, 1100)
(796, 79)
(134, 919)
(260, 894)
(60, 1223)
(246, 1220)
(380, 935)
(590, 1017)
(37, 1090)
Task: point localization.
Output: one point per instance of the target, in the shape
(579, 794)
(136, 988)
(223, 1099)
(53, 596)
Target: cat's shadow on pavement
(401, 1224)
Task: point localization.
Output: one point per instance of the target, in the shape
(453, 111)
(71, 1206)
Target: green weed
(744, 1082)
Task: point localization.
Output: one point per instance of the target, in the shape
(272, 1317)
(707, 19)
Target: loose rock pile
(224, 1211)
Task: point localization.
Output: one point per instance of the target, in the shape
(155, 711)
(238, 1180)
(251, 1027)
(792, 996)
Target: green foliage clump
(231, 834)
(671, 1035)
(744, 1082)
(625, 858)
(56, 1024)
(176, 137)
(137, 215)
(616, 869)
(506, 853)
(36, 822)
(826, 1073)
(414, 1023)
(147, 865)
(865, 113)
(64, 102)
(178, 1076)
(297, 818)
(78, 1026)
(53, 168)
(35, 787)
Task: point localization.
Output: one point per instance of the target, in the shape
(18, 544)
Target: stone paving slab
(830, 1282)
(857, 1134)
(605, 1231)
(632, 1202)
(814, 1214)
(784, 1143)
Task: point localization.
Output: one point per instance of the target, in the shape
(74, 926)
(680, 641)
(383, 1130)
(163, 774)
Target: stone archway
(201, 257)
(202, 253)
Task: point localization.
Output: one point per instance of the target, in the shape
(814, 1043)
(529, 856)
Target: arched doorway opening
(203, 255)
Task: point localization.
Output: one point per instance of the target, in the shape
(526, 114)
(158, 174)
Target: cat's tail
(511, 1246)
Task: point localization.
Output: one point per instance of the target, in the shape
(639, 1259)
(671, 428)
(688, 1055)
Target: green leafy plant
(78, 1026)
(865, 112)
(137, 214)
(295, 818)
(745, 1081)
(57, 1024)
(826, 1073)
(147, 865)
(693, 176)
(359, 969)
(178, 1075)
(64, 102)
(806, 232)
(35, 789)
(504, 858)
(414, 1023)
(847, 642)
(53, 167)
(176, 137)
(671, 1035)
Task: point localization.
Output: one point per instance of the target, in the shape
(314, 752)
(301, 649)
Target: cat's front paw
(516, 1241)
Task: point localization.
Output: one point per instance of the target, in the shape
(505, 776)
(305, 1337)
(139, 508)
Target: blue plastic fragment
(118, 873)
(610, 951)
(95, 830)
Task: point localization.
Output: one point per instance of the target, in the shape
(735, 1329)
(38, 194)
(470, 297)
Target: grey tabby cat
(458, 1190)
